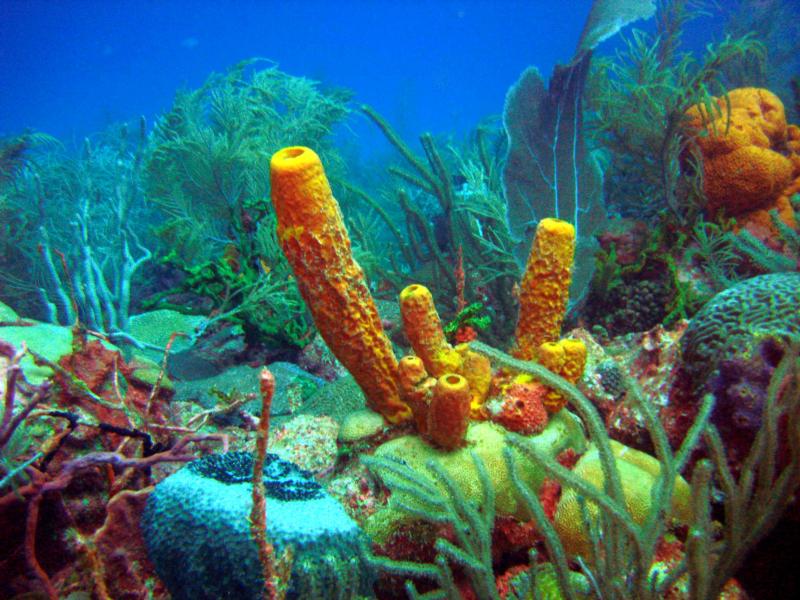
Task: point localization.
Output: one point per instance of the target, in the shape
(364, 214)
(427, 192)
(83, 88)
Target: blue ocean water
(71, 68)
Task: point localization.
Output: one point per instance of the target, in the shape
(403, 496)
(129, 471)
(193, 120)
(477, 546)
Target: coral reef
(641, 441)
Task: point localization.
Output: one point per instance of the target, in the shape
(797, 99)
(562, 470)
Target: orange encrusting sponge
(544, 291)
(313, 237)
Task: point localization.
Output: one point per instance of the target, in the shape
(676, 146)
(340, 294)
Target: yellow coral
(314, 239)
(638, 472)
(544, 290)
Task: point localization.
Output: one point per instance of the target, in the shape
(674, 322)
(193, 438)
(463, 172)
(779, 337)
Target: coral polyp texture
(313, 237)
(638, 474)
(197, 530)
(737, 319)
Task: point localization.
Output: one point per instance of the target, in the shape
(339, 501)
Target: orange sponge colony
(544, 294)
(747, 158)
(544, 290)
(313, 237)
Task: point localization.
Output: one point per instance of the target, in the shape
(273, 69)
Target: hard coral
(314, 239)
(730, 349)
(197, 532)
(638, 473)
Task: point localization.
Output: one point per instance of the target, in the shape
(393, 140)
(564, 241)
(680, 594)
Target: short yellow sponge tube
(566, 358)
(544, 290)
(423, 328)
(313, 237)
(448, 414)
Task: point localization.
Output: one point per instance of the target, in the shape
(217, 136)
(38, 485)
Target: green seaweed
(208, 170)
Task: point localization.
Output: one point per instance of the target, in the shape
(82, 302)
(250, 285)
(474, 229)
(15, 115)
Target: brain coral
(739, 317)
(638, 473)
(196, 527)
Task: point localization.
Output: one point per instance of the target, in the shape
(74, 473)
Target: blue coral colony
(560, 359)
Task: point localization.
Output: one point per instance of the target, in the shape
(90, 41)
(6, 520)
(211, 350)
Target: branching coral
(92, 230)
(116, 475)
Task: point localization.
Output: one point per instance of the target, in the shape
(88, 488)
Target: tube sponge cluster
(443, 386)
(544, 293)
(544, 290)
(313, 237)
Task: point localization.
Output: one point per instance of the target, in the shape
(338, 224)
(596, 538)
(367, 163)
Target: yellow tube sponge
(423, 328)
(448, 415)
(544, 290)
(313, 237)
(566, 358)
(416, 389)
(477, 370)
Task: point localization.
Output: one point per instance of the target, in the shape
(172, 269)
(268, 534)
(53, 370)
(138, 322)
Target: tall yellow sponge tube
(544, 291)
(313, 237)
